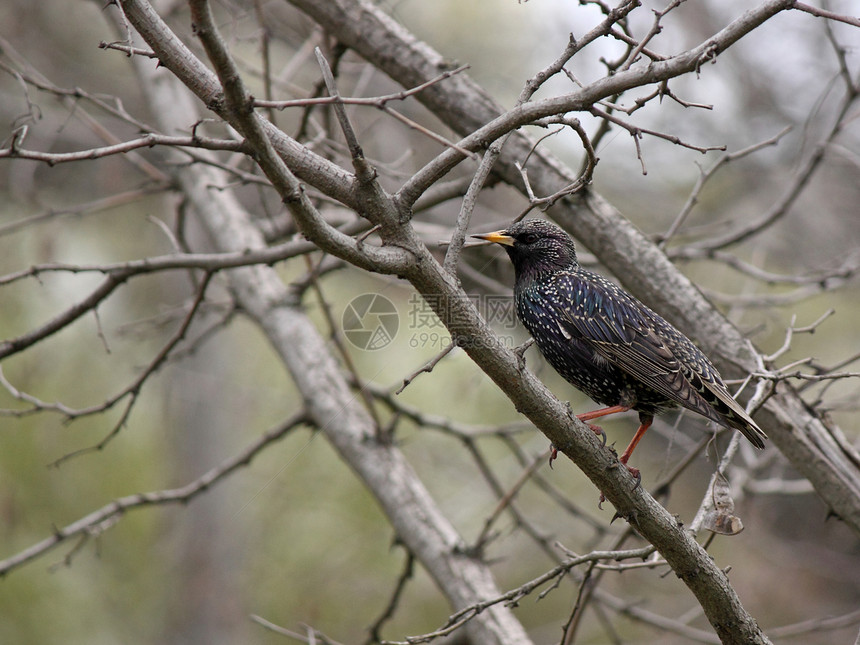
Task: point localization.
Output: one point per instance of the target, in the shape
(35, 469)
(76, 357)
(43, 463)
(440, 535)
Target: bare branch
(823, 13)
(705, 175)
(108, 514)
(794, 188)
(148, 141)
(355, 150)
(210, 262)
(372, 101)
(127, 49)
(458, 619)
(637, 132)
(15, 345)
(426, 368)
(817, 625)
(133, 390)
(375, 630)
(311, 636)
(452, 255)
(87, 208)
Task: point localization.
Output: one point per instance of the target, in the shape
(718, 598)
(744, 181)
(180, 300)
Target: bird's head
(535, 246)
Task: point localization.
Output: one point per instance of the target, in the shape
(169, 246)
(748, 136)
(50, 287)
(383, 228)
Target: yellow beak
(499, 237)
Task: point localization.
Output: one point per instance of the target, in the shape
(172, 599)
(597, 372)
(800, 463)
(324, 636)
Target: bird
(608, 344)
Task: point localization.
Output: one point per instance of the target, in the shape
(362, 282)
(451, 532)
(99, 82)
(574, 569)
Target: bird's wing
(624, 339)
(640, 342)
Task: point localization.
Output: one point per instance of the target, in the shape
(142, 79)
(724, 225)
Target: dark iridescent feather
(604, 341)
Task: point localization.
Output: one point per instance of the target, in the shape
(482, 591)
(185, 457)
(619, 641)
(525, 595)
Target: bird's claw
(633, 471)
(636, 475)
(598, 431)
(553, 454)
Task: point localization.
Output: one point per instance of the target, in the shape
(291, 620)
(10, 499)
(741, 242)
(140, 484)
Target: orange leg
(602, 412)
(596, 414)
(645, 423)
(587, 416)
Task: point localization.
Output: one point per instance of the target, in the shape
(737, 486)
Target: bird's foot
(636, 475)
(633, 471)
(553, 454)
(598, 431)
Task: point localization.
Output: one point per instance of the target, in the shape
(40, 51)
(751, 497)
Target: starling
(605, 342)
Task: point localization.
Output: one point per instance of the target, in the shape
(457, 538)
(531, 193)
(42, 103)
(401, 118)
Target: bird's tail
(729, 412)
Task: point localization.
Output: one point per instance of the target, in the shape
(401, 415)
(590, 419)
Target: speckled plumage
(604, 341)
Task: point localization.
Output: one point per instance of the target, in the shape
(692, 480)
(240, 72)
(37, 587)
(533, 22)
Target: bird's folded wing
(634, 339)
(628, 339)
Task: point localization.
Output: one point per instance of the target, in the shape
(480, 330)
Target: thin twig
(372, 101)
(426, 368)
(133, 390)
(375, 630)
(705, 175)
(823, 13)
(117, 508)
(452, 255)
(461, 617)
(346, 128)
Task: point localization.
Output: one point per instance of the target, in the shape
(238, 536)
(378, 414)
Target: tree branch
(260, 292)
(810, 443)
(96, 522)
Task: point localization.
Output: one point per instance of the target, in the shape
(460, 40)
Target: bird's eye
(529, 238)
